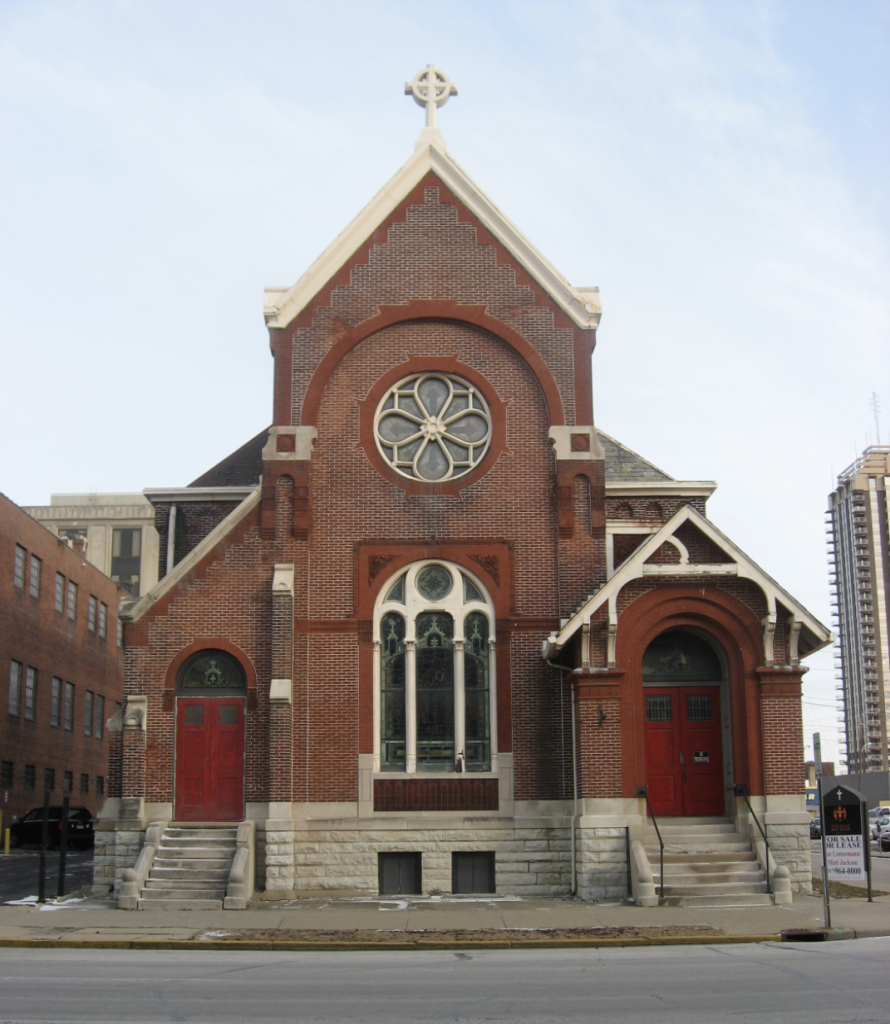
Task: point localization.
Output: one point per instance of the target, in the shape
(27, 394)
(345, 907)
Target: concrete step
(743, 869)
(178, 831)
(720, 828)
(715, 889)
(699, 852)
(195, 843)
(168, 884)
(728, 857)
(183, 894)
(193, 856)
(179, 904)
(689, 881)
(162, 872)
(733, 900)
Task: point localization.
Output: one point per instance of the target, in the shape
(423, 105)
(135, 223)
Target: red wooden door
(684, 751)
(209, 759)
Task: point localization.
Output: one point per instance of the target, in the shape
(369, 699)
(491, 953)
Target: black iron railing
(642, 792)
(742, 790)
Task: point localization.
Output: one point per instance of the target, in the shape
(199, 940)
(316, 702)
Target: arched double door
(682, 683)
(209, 773)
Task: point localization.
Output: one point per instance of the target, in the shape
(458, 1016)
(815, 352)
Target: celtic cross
(431, 89)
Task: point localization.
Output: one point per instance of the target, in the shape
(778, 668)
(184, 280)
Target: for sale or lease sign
(845, 857)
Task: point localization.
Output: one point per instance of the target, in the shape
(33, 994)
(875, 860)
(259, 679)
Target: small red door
(684, 751)
(209, 759)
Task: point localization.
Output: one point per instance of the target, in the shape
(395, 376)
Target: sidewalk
(431, 922)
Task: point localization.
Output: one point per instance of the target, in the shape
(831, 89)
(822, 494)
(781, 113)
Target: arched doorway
(682, 677)
(209, 778)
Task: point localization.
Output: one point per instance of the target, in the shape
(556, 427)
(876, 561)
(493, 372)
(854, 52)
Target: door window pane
(658, 709)
(227, 714)
(194, 714)
(699, 707)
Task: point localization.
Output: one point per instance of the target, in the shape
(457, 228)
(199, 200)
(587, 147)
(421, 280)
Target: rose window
(433, 426)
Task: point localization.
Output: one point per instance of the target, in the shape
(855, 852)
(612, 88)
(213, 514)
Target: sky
(719, 170)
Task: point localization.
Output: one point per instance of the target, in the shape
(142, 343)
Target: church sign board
(846, 846)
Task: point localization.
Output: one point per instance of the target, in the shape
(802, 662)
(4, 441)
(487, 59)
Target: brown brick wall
(33, 633)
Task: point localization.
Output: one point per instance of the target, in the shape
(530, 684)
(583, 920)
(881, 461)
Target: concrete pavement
(424, 922)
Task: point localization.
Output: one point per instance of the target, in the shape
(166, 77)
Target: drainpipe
(562, 668)
(171, 539)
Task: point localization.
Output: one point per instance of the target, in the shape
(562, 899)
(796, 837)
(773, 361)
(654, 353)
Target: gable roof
(581, 305)
(813, 635)
(243, 468)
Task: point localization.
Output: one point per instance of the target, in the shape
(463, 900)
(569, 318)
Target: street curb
(291, 945)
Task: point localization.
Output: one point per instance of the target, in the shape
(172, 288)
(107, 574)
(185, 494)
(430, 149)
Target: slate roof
(242, 468)
(625, 465)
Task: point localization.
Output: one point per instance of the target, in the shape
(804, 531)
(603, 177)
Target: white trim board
(581, 305)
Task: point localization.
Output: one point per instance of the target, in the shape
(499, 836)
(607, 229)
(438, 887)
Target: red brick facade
(52, 645)
(432, 289)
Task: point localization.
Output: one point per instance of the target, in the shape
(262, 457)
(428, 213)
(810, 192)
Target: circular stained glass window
(434, 582)
(432, 427)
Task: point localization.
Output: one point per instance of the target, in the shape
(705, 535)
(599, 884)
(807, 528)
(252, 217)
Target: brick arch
(475, 316)
(739, 634)
(216, 643)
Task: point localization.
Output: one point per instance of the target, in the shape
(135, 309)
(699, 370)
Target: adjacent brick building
(63, 668)
(453, 627)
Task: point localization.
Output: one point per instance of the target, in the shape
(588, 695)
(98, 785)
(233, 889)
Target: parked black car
(816, 828)
(28, 830)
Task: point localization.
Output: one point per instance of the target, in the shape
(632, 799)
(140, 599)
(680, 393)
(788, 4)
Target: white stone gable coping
(581, 305)
(634, 567)
(660, 488)
(147, 601)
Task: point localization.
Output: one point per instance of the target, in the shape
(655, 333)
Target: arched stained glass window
(476, 702)
(678, 656)
(434, 678)
(392, 691)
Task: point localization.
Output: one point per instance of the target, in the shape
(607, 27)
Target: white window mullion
(460, 714)
(378, 725)
(410, 707)
(493, 701)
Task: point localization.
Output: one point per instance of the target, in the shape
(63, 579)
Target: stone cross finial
(431, 88)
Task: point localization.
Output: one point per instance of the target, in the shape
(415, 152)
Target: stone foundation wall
(112, 852)
(602, 863)
(789, 844)
(528, 861)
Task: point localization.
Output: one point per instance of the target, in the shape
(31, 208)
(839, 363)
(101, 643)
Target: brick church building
(434, 631)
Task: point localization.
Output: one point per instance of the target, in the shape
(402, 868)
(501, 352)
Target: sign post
(845, 836)
(826, 899)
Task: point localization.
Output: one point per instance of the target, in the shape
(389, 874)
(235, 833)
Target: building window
(103, 620)
(72, 600)
(92, 613)
(55, 703)
(15, 687)
(49, 779)
(88, 714)
(69, 706)
(18, 572)
(100, 785)
(432, 426)
(30, 779)
(84, 784)
(99, 727)
(434, 672)
(30, 693)
(6, 774)
(67, 782)
(60, 593)
(126, 558)
(120, 632)
(34, 583)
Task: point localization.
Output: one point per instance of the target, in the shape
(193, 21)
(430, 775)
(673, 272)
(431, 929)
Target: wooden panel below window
(425, 794)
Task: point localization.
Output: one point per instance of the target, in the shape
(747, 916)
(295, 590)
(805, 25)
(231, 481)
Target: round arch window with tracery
(433, 427)
(434, 675)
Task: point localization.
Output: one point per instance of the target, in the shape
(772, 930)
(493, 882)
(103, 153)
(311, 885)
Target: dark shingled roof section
(623, 464)
(242, 468)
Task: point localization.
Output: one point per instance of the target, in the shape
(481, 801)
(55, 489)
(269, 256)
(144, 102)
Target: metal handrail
(642, 791)
(742, 790)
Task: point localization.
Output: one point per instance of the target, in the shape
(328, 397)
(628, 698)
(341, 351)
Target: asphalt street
(769, 982)
(19, 872)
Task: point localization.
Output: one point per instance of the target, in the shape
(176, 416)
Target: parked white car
(879, 825)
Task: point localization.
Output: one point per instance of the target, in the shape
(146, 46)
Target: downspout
(171, 539)
(571, 671)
